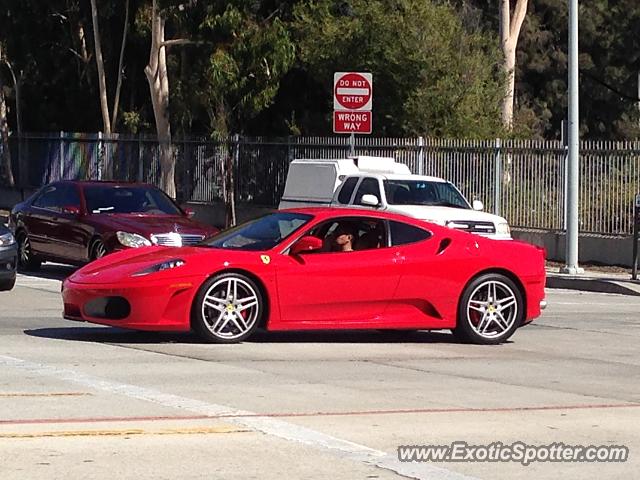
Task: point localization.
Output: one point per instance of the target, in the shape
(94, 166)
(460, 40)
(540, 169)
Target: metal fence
(521, 180)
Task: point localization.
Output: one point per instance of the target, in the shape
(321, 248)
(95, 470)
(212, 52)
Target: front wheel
(26, 259)
(98, 250)
(6, 285)
(227, 309)
(490, 310)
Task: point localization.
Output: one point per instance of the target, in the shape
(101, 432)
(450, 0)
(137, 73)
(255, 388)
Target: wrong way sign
(351, 122)
(352, 91)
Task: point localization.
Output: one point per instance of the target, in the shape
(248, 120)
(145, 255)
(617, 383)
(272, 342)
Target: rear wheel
(490, 310)
(26, 259)
(227, 309)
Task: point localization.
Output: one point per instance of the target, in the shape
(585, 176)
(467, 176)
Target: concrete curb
(593, 284)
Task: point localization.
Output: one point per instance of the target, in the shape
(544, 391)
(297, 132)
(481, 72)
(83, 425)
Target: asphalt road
(82, 401)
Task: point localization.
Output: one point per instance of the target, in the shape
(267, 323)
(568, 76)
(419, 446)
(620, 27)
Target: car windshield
(261, 234)
(128, 199)
(423, 192)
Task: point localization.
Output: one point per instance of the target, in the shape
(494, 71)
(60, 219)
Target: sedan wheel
(26, 259)
(227, 309)
(98, 250)
(490, 311)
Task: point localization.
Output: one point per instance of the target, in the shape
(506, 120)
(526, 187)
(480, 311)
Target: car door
(40, 220)
(340, 289)
(70, 237)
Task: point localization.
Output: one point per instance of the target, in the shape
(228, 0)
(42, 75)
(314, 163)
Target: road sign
(352, 91)
(351, 122)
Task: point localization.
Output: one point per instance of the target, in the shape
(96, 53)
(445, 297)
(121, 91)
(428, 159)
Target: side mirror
(189, 213)
(71, 210)
(305, 245)
(477, 205)
(369, 200)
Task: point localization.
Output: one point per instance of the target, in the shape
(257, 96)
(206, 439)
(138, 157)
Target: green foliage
(431, 76)
(250, 55)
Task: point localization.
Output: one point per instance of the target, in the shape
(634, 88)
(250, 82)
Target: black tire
(6, 285)
(27, 261)
(490, 310)
(220, 316)
(98, 250)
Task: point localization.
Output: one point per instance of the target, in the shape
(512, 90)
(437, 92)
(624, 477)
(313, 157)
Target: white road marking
(49, 284)
(268, 425)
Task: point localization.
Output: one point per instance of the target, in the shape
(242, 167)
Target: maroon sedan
(77, 222)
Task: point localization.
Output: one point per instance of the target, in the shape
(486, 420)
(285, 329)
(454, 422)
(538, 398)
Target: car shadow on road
(99, 334)
(50, 271)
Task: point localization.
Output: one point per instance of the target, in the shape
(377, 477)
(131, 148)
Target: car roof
(399, 176)
(113, 183)
(328, 212)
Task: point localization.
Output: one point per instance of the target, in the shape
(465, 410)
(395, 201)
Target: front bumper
(138, 304)
(8, 262)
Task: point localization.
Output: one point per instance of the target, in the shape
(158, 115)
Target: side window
(402, 233)
(351, 234)
(368, 186)
(347, 189)
(48, 198)
(68, 196)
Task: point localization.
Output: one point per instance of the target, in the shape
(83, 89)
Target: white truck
(382, 183)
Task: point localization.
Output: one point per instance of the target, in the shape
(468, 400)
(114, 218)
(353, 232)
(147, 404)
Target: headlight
(132, 240)
(175, 263)
(6, 240)
(503, 229)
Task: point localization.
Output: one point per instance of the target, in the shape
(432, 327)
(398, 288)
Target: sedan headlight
(7, 239)
(132, 240)
(175, 263)
(503, 229)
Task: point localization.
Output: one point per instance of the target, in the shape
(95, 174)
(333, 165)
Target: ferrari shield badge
(266, 259)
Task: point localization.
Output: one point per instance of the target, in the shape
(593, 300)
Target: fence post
(140, 160)
(61, 152)
(497, 192)
(421, 161)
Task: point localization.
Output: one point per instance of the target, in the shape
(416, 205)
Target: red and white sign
(352, 91)
(351, 122)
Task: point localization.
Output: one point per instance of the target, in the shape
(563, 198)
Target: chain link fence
(521, 180)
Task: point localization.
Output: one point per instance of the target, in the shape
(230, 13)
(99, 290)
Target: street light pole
(573, 180)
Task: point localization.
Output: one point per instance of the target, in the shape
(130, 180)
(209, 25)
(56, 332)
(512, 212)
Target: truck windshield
(262, 233)
(423, 192)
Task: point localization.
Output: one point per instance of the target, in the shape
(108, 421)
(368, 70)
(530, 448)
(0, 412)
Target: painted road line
(268, 425)
(128, 432)
(46, 394)
(164, 418)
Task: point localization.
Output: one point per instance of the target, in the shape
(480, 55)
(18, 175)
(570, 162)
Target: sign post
(636, 234)
(352, 103)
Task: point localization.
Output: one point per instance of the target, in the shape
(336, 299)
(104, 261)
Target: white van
(384, 184)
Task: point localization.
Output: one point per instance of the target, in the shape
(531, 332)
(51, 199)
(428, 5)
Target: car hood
(123, 266)
(441, 215)
(147, 225)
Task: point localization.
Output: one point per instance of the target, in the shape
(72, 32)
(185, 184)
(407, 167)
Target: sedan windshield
(128, 199)
(423, 192)
(261, 234)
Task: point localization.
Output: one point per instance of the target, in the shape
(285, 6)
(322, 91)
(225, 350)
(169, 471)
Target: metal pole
(352, 145)
(498, 178)
(573, 181)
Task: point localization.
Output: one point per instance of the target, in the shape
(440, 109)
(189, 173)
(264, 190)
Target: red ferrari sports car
(317, 268)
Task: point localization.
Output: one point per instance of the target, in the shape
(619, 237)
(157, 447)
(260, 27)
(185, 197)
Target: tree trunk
(5, 157)
(510, 27)
(157, 77)
(116, 100)
(102, 83)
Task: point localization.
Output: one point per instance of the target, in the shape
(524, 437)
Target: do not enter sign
(352, 91)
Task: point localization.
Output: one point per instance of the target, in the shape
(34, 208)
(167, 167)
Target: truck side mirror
(369, 200)
(477, 205)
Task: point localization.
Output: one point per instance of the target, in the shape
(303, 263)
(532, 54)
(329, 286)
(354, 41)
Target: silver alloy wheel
(25, 249)
(230, 308)
(492, 309)
(99, 250)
